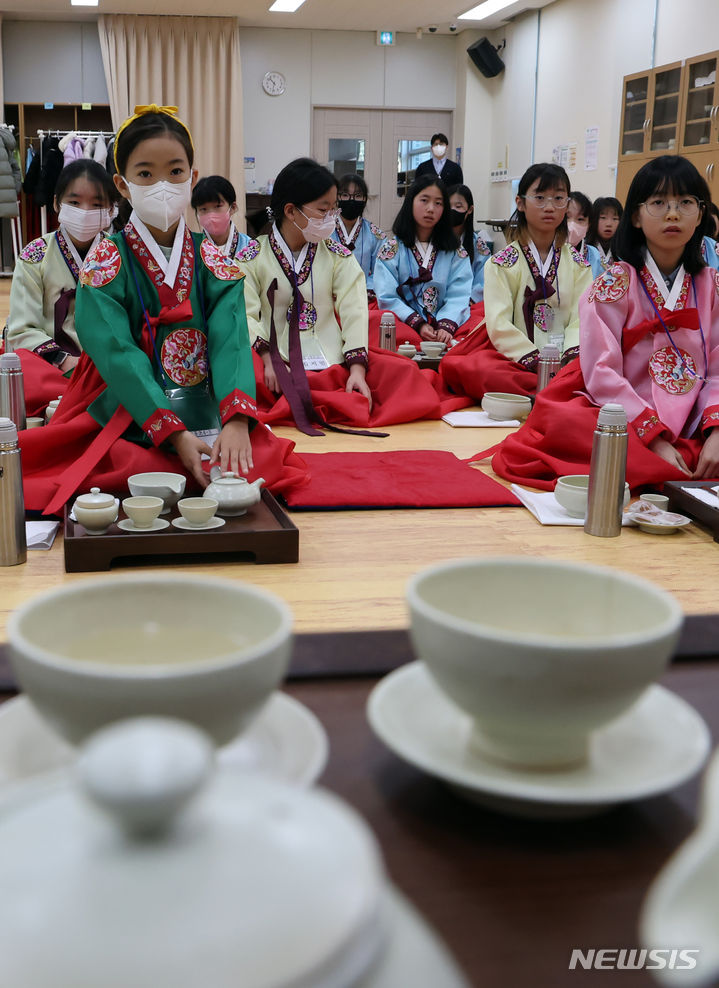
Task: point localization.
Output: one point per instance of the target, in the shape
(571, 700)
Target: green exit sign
(386, 37)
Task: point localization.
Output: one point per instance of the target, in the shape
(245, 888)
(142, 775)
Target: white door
(384, 146)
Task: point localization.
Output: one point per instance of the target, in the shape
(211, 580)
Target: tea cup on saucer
(540, 653)
(433, 348)
(203, 650)
(660, 501)
(197, 511)
(142, 511)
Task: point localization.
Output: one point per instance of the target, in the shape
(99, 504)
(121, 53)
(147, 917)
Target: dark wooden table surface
(511, 897)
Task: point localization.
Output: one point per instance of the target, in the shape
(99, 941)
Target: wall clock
(274, 83)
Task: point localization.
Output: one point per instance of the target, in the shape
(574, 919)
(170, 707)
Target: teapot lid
(240, 878)
(95, 499)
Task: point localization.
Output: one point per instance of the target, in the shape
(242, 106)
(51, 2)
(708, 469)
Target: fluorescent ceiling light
(286, 6)
(84, 3)
(484, 10)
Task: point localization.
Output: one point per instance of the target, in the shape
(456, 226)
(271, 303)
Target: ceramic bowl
(433, 349)
(34, 422)
(142, 511)
(540, 653)
(197, 511)
(572, 493)
(207, 651)
(407, 349)
(169, 486)
(501, 406)
(682, 905)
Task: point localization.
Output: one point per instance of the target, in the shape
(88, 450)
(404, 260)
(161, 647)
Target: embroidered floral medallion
(611, 286)
(480, 245)
(430, 298)
(461, 252)
(223, 266)
(184, 356)
(672, 372)
(379, 234)
(507, 257)
(578, 257)
(34, 251)
(102, 265)
(249, 252)
(388, 250)
(308, 315)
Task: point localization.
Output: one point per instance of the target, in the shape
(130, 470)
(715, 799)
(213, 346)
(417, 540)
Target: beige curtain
(189, 62)
(2, 94)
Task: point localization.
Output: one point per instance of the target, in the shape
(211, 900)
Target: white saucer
(285, 741)
(656, 745)
(127, 525)
(654, 529)
(187, 527)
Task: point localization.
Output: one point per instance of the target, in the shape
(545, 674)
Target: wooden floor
(354, 565)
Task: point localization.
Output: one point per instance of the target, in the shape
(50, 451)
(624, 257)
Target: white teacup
(540, 653)
(501, 406)
(660, 501)
(197, 511)
(433, 348)
(142, 511)
(203, 650)
(572, 492)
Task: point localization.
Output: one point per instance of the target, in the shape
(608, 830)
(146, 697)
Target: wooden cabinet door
(664, 110)
(700, 103)
(636, 100)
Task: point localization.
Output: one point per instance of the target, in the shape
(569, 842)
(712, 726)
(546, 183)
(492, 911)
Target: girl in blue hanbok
(461, 202)
(423, 274)
(362, 238)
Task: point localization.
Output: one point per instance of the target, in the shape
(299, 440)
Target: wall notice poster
(591, 148)
(566, 156)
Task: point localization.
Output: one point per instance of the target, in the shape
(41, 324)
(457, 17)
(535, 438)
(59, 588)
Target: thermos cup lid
(8, 431)
(550, 351)
(612, 414)
(10, 361)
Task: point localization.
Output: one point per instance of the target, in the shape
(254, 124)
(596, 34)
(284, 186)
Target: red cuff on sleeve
(161, 424)
(358, 356)
(261, 346)
(647, 426)
(710, 418)
(415, 321)
(237, 403)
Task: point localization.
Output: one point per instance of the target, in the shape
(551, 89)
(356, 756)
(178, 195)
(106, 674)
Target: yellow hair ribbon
(140, 111)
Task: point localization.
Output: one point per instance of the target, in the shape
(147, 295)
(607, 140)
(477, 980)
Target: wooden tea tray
(683, 502)
(265, 532)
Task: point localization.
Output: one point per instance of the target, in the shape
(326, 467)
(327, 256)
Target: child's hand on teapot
(233, 448)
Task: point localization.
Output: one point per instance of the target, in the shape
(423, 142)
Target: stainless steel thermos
(388, 331)
(550, 360)
(13, 547)
(606, 473)
(12, 391)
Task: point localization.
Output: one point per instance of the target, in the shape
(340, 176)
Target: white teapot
(177, 873)
(234, 495)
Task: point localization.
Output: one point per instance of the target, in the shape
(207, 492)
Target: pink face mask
(577, 231)
(216, 224)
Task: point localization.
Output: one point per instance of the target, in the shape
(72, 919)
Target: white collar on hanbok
(424, 252)
(347, 237)
(545, 264)
(73, 249)
(296, 262)
(168, 268)
(670, 297)
(227, 246)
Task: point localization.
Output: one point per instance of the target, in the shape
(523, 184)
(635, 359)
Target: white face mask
(162, 204)
(439, 150)
(85, 224)
(317, 229)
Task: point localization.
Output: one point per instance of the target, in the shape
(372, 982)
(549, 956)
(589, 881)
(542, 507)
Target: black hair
(602, 205)
(467, 233)
(404, 227)
(549, 176)
(584, 203)
(302, 181)
(439, 137)
(211, 189)
(668, 174)
(344, 183)
(714, 210)
(145, 127)
(94, 172)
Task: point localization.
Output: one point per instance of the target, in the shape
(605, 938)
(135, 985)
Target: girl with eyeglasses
(531, 294)
(649, 340)
(357, 234)
(307, 313)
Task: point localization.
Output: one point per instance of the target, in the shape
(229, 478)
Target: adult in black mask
(358, 235)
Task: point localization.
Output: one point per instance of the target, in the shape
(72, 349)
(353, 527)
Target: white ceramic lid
(95, 499)
(249, 882)
(8, 431)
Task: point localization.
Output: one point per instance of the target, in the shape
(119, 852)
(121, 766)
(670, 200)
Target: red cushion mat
(400, 479)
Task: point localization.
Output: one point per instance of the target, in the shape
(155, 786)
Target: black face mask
(456, 218)
(351, 209)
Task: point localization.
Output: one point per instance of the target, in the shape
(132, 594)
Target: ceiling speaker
(485, 57)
